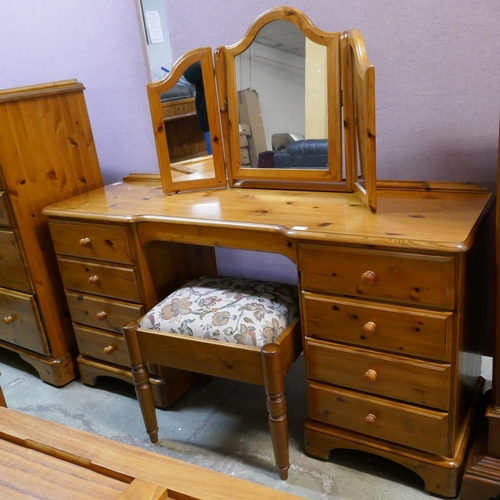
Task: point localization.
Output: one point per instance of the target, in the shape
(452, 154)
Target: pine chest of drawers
(386, 368)
(47, 154)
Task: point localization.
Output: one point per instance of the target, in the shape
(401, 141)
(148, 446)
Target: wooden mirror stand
(328, 144)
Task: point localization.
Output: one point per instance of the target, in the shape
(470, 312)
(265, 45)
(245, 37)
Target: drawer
(172, 110)
(103, 242)
(419, 428)
(405, 330)
(99, 279)
(412, 278)
(6, 218)
(102, 313)
(106, 346)
(405, 379)
(21, 324)
(13, 273)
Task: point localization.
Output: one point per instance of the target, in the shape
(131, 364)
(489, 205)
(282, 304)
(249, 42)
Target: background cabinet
(47, 154)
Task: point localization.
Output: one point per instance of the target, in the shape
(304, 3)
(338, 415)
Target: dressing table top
(438, 217)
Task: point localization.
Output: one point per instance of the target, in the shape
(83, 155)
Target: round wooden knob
(371, 419)
(368, 277)
(8, 319)
(85, 242)
(94, 280)
(370, 375)
(109, 349)
(102, 315)
(369, 328)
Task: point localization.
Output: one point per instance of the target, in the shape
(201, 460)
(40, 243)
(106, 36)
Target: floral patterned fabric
(237, 310)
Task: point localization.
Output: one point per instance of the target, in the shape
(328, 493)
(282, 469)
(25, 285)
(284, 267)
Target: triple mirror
(287, 107)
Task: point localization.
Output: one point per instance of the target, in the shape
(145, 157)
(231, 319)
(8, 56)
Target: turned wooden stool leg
(276, 406)
(140, 376)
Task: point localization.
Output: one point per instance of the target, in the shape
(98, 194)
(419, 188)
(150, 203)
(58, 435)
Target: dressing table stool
(234, 328)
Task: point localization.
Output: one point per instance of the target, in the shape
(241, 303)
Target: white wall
(159, 52)
(279, 80)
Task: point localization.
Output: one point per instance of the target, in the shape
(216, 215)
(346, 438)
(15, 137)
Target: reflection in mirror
(283, 91)
(186, 124)
(283, 70)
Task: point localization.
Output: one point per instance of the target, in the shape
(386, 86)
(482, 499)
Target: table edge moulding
(392, 275)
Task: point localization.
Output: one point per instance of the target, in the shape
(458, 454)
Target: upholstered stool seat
(236, 328)
(241, 311)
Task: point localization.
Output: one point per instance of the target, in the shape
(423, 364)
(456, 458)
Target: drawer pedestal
(391, 361)
(108, 283)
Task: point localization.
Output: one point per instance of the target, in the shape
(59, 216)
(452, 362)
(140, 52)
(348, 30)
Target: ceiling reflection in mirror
(282, 100)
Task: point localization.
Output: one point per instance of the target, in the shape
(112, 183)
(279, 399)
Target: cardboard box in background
(249, 111)
(244, 129)
(245, 157)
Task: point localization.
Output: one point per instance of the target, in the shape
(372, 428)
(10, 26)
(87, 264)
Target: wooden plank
(121, 462)
(25, 471)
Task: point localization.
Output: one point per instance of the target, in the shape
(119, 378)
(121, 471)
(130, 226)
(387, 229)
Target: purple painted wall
(437, 66)
(100, 44)
(437, 74)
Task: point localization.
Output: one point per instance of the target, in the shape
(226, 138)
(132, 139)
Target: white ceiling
(282, 35)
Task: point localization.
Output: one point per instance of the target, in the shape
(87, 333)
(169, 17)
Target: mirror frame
(331, 179)
(358, 83)
(155, 89)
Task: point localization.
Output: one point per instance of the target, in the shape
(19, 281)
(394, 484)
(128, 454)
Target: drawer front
(102, 242)
(405, 379)
(418, 428)
(102, 313)
(6, 218)
(21, 324)
(404, 330)
(110, 281)
(13, 272)
(171, 110)
(106, 346)
(410, 278)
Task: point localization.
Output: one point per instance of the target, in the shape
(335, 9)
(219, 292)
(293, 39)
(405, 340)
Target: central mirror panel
(282, 84)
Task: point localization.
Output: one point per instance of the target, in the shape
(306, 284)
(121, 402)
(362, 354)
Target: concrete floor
(221, 426)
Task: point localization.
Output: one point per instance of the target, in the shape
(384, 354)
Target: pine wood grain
(56, 457)
(417, 220)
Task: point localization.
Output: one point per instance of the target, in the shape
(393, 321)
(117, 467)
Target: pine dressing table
(390, 302)
(390, 273)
